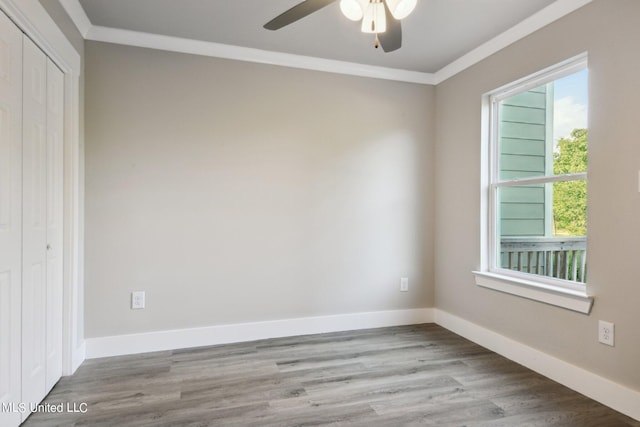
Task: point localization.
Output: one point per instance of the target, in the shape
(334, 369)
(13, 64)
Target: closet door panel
(34, 227)
(10, 218)
(55, 126)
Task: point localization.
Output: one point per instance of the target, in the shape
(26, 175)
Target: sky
(570, 104)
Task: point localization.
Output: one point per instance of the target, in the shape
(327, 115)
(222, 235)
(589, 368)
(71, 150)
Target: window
(535, 188)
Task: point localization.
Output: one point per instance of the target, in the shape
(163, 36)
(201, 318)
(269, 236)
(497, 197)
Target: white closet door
(10, 219)
(34, 223)
(55, 126)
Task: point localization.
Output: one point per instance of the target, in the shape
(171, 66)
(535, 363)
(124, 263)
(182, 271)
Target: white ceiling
(436, 34)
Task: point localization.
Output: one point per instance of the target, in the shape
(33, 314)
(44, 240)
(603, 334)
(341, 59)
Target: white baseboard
(605, 391)
(224, 334)
(79, 356)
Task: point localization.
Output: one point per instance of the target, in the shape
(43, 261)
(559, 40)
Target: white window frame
(558, 292)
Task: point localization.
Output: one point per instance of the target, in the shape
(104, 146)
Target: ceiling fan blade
(297, 12)
(391, 39)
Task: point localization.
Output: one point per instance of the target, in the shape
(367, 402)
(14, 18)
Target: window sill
(566, 298)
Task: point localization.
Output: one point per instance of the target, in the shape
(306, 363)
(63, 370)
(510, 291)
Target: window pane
(542, 229)
(543, 131)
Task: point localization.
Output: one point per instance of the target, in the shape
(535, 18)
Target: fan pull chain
(376, 43)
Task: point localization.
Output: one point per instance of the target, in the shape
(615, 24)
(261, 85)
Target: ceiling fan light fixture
(400, 9)
(352, 9)
(375, 18)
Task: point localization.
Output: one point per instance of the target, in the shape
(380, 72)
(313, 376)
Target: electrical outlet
(404, 284)
(606, 332)
(137, 300)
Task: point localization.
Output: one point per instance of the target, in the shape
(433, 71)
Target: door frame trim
(35, 22)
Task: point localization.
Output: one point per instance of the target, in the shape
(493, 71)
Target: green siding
(521, 227)
(523, 132)
(523, 114)
(522, 146)
(535, 98)
(521, 194)
(521, 210)
(517, 162)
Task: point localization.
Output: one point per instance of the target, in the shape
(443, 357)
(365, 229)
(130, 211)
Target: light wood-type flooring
(398, 376)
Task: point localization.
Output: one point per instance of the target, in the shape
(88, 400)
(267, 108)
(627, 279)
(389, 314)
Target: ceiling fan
(379, 17)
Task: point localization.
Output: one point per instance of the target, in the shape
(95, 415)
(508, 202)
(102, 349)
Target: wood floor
(399, 376)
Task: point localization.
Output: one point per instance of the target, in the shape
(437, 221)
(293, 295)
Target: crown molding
(542, 18)
(238, 53)
(77, 14)
(549, 14)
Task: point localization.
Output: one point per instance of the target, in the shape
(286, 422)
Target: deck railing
(559, 257)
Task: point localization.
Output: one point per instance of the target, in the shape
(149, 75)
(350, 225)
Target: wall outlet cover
(137, 300)
(606, 333)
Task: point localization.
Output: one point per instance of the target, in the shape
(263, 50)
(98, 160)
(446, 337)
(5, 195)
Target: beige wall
(235, 192)
(609, 30)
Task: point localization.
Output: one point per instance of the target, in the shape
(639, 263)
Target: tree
(570, 197)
